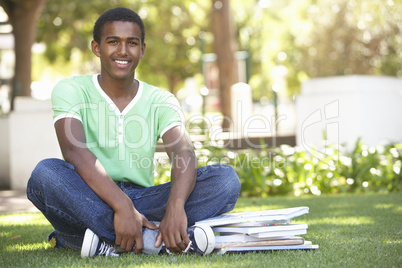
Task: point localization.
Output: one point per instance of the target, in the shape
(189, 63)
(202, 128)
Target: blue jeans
(57, 190)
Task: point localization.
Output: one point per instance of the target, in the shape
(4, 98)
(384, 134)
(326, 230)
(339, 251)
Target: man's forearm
(183, 177)
(95, 176)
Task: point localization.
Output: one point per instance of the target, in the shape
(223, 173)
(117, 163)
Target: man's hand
(173, 227)
(128, 222)
(173, 230)
(128, 228)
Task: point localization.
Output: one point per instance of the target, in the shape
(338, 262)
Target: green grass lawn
(351, 230)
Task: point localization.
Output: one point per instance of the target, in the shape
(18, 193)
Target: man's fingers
(117, 242)
(176, 243)
(181, 246)
(149, 225)
(158, 240)
(186, 239)
(138, 245)
(129, 245)
(122, 244)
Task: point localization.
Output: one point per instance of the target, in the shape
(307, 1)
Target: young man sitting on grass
(101, 198)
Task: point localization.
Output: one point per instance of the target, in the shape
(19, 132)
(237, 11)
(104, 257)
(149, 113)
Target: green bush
(289, 170)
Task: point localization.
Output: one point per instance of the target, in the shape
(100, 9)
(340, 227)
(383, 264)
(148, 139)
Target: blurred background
(198, 50)
(290, 39)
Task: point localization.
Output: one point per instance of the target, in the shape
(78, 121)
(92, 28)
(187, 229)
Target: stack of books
(265, 230)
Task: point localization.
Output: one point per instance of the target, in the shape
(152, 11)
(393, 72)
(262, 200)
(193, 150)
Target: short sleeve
(66, 101)
(169, 115)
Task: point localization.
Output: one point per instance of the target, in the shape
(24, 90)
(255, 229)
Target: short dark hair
(118, 14)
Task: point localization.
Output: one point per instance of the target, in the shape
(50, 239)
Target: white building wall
(29, 137)
(349, 107)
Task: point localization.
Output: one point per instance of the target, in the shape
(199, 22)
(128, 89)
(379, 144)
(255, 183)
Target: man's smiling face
(120, 49)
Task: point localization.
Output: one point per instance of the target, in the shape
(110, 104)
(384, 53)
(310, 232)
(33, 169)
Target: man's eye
(112, 42)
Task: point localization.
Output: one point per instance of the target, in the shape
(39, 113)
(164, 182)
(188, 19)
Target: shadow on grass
(351, 230)
(361, 228)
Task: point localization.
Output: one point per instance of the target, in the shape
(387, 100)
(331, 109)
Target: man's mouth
(124, 62)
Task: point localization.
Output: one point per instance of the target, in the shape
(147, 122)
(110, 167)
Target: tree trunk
(23, 16)
(172, 82)
(225, 48)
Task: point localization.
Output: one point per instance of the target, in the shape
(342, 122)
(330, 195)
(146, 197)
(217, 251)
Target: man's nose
(122, 48)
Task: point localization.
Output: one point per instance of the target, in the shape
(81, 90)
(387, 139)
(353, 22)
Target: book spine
(282, 242)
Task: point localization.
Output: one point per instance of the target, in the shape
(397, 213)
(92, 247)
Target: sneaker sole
(205, 238)
(89, 245)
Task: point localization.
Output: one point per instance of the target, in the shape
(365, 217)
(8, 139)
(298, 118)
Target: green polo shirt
(123, 141)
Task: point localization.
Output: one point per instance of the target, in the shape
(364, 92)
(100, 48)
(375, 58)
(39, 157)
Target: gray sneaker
(92, 246)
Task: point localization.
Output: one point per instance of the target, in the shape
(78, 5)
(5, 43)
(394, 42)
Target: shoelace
(184, 251)
(188, 247)
(107, 250)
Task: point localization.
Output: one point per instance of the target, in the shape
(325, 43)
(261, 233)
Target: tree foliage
(289, 170)
(352, 37)
(172, 29)
(311, 38)
(316, 38)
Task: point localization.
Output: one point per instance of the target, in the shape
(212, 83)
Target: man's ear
(95, 48)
